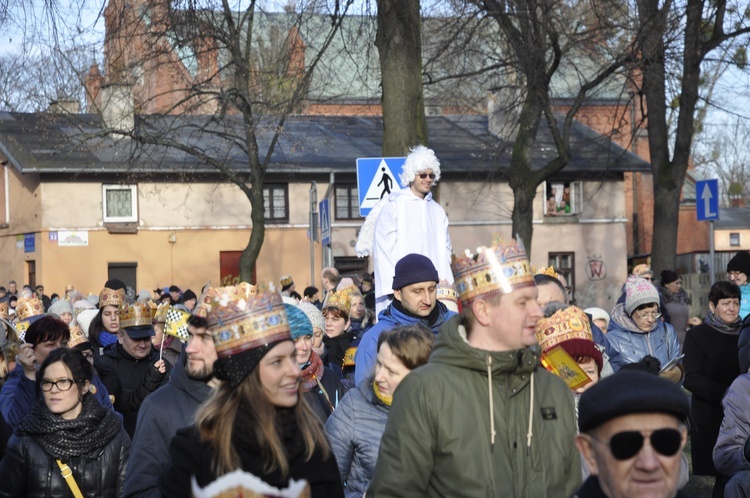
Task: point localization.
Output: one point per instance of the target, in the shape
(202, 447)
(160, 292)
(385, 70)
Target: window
(564, 264)
(734, 239)
(347, 202)
(31, 272)
(120, 203)
(563, 198)
(276, 203)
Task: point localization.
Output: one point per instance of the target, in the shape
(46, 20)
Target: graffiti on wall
(595, 268)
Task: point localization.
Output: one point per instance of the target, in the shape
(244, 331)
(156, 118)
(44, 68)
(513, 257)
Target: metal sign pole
(712, 258)
(313, 228)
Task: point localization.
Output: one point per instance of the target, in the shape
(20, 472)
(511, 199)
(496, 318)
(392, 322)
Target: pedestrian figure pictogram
(386, 181)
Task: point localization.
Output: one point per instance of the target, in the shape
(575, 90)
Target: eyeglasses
(643, 315)
(425, 175)
(625, 445)
(61, 385)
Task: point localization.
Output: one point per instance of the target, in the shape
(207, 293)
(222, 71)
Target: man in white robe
(410, 221)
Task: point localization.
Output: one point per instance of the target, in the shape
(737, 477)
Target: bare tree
(537, 39)
(236, 74)
(724, 154)
(674, 40)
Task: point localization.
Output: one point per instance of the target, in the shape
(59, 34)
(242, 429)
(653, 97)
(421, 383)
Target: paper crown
(4, 308)
(159, 311)
(499, 269)
(26, 307)
(287, 281)
(109, 297)
(135, 315)
(339, 300)
(244, 317)
(76, 337)
(570, 329)
(642, 269)
(546, 270)
(241, 484)
(446, 292)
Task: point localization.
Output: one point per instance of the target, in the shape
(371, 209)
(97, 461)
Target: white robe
(407, 224)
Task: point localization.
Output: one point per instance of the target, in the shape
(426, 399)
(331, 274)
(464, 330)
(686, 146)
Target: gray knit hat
(639, 291)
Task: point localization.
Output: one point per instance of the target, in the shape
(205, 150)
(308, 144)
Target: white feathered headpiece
(420, 159)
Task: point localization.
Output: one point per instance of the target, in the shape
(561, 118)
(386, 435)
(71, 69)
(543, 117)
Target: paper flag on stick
(176, 323)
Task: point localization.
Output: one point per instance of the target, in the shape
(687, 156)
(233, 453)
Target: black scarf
(94, 428)
(428, 320)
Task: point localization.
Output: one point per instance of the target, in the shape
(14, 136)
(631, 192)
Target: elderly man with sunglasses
(632, 432)
(407, 221)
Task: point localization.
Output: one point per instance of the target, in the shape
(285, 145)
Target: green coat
(437, 441)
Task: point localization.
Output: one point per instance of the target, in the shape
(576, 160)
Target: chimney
(64, 107)
(93, 85)
(736, 201)
(118, 112)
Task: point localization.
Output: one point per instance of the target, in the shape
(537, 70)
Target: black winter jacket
(27, 470)
(129, 380)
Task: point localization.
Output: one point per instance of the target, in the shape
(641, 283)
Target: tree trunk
(400, 50)
(523, 214)
(666, 218)
(257, 235)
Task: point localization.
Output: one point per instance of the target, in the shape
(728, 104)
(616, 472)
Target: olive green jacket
(439, 441)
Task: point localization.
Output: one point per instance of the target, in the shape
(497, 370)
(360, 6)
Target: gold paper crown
(565, 325)
(244, 317)
(109, 297)
(639, 270)
(499, 269)
(287, 281)
(159, 311)
(339, 300)
(76, 337)
(4, 309)
(26, 307)
(546, 270)
(446, 292)
(135, 315)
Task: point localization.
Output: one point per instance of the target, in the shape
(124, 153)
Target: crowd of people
(484, 382)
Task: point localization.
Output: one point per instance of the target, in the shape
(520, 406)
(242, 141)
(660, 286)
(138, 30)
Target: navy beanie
(740, 262)
(630, 391)
(412, 269)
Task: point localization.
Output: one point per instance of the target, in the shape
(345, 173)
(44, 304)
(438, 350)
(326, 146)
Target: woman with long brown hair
(256, 421)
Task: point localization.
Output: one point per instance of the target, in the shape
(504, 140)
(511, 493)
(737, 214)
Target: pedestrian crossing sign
(376, 178)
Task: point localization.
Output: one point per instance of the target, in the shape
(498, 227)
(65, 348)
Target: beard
(202, 374)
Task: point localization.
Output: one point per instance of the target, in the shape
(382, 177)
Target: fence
(697, 285)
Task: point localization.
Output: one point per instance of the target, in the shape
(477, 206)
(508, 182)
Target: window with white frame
(276, 203)
(563, 198)
(119, 203)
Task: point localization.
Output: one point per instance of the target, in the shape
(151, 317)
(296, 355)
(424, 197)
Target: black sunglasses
(625, 445)
(425, 175)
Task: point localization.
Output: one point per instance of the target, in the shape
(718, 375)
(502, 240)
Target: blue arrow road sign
(376, 178)
(707, 199)
(325, 223)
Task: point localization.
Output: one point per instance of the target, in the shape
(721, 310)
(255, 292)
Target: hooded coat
(633, 344)
(449, 434)
(170, 408)
(388, 319)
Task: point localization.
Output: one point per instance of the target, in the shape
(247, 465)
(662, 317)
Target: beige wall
(721, 239)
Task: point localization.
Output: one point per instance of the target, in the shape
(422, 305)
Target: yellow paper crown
(565, 325)
(244, 317)
(4, 309)
(499, 269)
(135, 315)
(76, 336)
(287, 281)
(446, 292)
(547, 270)
(110, 297)
(339, 300)
(159, 311)
(26, 307)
